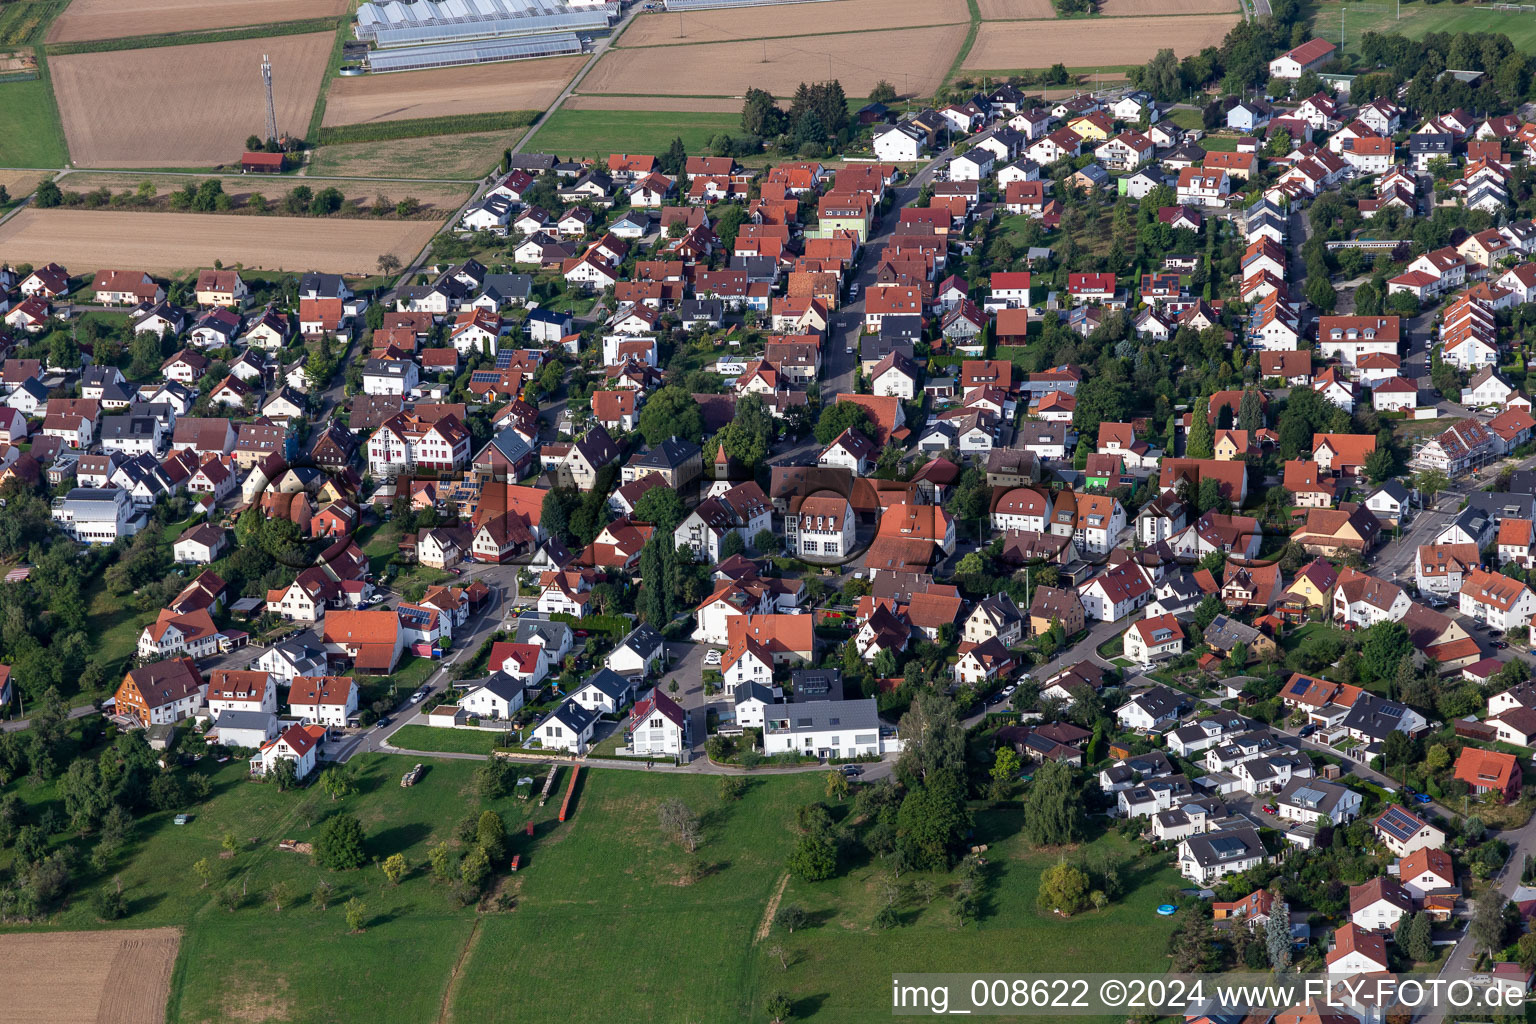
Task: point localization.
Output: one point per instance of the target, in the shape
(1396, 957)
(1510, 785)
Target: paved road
(21, 723)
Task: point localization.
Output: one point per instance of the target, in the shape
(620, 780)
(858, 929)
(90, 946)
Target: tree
(1385, 644)
(670, 412)
(475, 868)
(1415, 937)
(747, 437)
(48, 195)
(338, 781)
(790, 917)
(662, 508)
(395, 868)
(109, 903)
(1380, 465)
(389, 263)
(1201, 440)
(732, 545)
(814, 858)
(357, 915)
(1397, 749)
(766, 542)
(1063, 889)
(1488, 923)
(675, 160)
(555, 512)
(679, 822)
(837, 786)
(340, 846)
(280, 893)
(1053, 813)
(1005, 768)
(322, 894)
(1277, 936)
(203, 868)
(836, 418)
(1250, 412)
(779, 1008)
(491, 835)
(932, 821)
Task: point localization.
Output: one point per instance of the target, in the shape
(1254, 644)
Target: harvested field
(795, 20)
(683, 104)
(433, 156)
(1014, 10)
(922, 55)
(473, 89)
(184, 106)
(105, 977)
(1005, 46)
(175, 242)
(117, 19)
(1131, 8)
(20, 183)
(437, 200)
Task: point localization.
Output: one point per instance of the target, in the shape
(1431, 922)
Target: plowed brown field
(184, 106)
(914, 60)
(473, 89)
(116, 19)
(1092, 42)
(108, 977)
(1130, 8)
(793, 20)
(168, 242)
(1005, 10)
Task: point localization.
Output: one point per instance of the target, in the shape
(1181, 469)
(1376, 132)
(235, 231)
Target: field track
(472, 89)
(794, 20)
(184, 106)
(1090, 42)
(118, 19)
(914, 60)
(169, 242)
(102, 977)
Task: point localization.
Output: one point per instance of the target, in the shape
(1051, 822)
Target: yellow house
(1312, 588)
(1231, 445)
(1094, 127)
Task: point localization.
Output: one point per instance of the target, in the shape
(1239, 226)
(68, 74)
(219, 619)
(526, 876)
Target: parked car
(1008, 690)
(1307, 730)
(182, 819)
(712, 657)
(1421, 798)
(382, 722)
(1270, 809)
(1501, 644)
(852, 770)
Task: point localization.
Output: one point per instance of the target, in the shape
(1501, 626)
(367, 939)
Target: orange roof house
(1489, 771)
(372, 640)
(785, 637)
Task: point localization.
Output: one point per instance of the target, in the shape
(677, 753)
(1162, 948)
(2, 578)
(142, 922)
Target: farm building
(425, 22)
(447, 55)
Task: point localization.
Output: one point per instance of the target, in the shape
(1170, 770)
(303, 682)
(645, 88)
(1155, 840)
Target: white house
(323, 700)
(899, 143)
(1153, 639)
(498, 697)
(1152, 708)
(1211, 856)
(568, 727)
(824, 729)
(297, 744)
(605, 692)
(1306, 800)
(637, 653)
(658, 725)
(1116, 593)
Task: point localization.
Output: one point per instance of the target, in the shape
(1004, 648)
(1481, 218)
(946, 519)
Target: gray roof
(501, 684)
(669, 454)
(816, 684)
(244, 720)
(573, 716)
(748, 690)
(642, 640)
(552, 633)
(504, 287)
(609, 683)
(1392, 489)
(820, 716)
(1312, 794)
(1212, 848)
(1226, 633)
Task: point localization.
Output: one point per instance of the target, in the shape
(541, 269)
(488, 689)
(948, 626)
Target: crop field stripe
(164, 39)
(424, 127)
(793, 35)
(333, 65)
(965, 46)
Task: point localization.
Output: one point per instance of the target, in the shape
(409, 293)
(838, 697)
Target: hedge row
(421, 127)
(287, 28)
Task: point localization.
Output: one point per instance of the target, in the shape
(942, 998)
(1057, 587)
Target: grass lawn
(114, 625)
(452, 741)
(579, 133)
(1010, 936)
(380, 542)
(1186, 119)
(603, 891)
(1419, 19)
(441, 156)
(30, 132)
